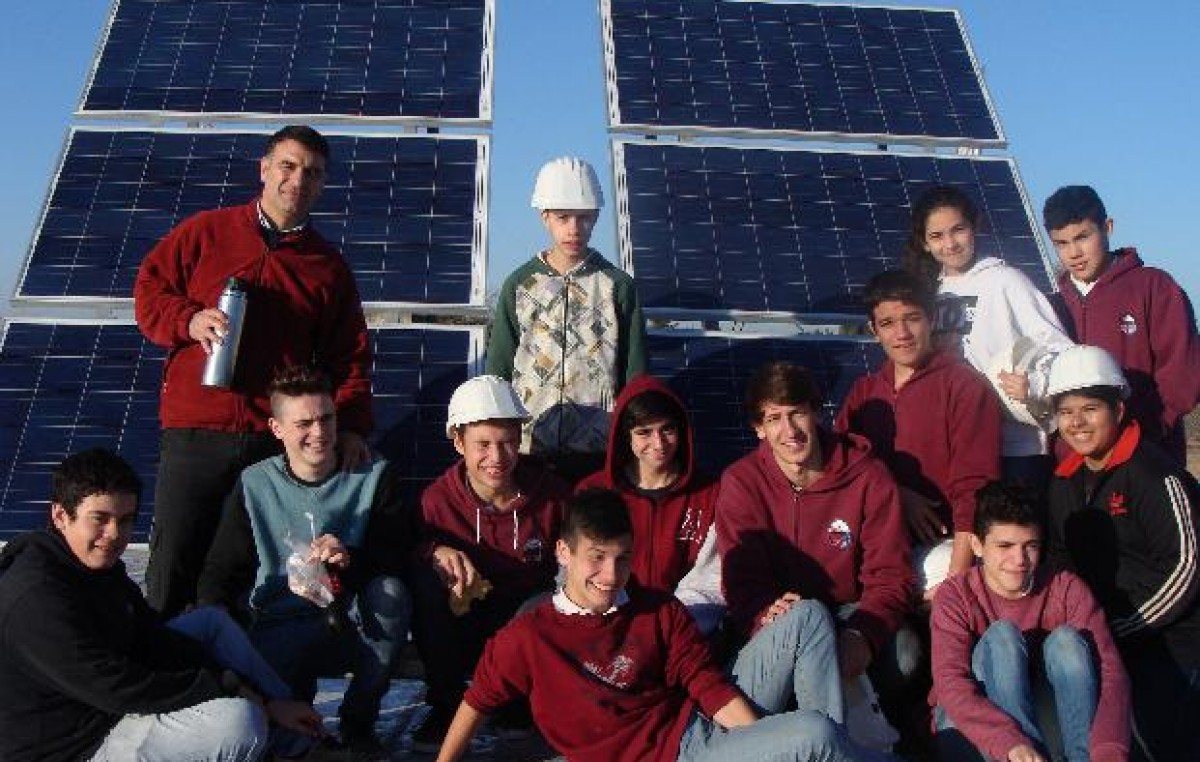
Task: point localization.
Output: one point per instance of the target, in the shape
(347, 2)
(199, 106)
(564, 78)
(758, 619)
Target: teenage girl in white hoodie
(1004, 325)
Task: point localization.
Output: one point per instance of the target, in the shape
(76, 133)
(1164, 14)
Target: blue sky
(1089, 91)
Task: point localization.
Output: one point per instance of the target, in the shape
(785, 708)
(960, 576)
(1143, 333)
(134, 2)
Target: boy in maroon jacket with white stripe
(624, 676)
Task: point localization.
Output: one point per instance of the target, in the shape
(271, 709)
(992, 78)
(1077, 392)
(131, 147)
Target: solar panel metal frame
(617, 125)
(711, 442)
(483, 120)
(479, 245)
(625, 239)
(386, 420)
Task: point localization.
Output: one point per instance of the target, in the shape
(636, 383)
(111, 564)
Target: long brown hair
(917, 259)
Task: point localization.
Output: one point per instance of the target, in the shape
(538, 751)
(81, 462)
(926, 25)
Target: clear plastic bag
(309, 579)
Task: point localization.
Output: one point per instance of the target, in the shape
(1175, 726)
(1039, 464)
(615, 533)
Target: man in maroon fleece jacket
(811, 514)
(929, 416)
(1139, 314)
(302, 308)
(625, 676)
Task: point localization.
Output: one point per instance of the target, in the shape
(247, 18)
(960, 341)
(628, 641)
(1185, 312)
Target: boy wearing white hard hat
(1123, 516)
(486, 533)
(568, 330)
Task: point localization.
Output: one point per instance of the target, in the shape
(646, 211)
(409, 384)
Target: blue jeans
(220, 730)
(1001, 664)
(793, 657)
(302, 649)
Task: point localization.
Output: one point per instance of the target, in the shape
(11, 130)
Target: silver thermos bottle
(218, 371)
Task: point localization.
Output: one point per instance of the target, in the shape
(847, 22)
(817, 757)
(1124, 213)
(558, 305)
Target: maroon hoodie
(667, 530)
(512, 549)
(840, 540)
(939, 433)
(1143, 319)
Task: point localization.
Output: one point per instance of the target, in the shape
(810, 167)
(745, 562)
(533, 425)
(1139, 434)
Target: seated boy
(930, 417)
(485, 537)
(1123, 516)
(88, 671)
(1010, 626)
(568, 330)
(652, 464)
(619, 675)
(347, 521)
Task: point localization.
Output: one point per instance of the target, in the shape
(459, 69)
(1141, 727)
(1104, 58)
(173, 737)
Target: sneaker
(427, 737)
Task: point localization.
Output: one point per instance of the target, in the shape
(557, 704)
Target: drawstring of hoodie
(516, 517)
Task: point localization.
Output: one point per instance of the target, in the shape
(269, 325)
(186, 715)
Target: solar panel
(392, 60)
(407, 212)
(710, 372)
(794, 70)
(790, 230)
(68, 386)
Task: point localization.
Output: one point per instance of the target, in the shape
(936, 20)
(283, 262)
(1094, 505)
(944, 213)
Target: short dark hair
(781, 383)
(899, 286)
(92, 472)
(302, 134)
(1000, 502)
(1071, 204)
(1109, 395)
(298, 380)
(599, 514)
(917, 259)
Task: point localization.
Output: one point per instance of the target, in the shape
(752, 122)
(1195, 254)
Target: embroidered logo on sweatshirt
(1127, 324)
(689, 528)
(838, 535)
(617, 674)
(1116, 504)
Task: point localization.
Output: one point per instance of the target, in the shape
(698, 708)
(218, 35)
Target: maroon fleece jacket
(302, 307)
(841, 540)
(964, 608)
(617, 687)
(668, 530)
(1143, 318)
(512, 549)
(939, 433)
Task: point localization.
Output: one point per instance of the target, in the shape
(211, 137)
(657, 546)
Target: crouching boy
(1007, 628)
(616, 674)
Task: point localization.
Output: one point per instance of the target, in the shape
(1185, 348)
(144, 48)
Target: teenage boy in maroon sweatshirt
(929, 416)
(1010, 627)
(493, 516)
(616, 675)
(1138, 314)
(811, 514)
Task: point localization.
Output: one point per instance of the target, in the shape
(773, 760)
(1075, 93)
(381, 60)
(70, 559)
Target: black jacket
(1130, 531)
(81, 648)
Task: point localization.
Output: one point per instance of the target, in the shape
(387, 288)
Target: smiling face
(792, 434)
(950, 240)
(1083, 248)
(100, 528)
(1090, 426)
(490, 451)
(904, 332)
(655, 444)
(1009, 556)
(293, 177)
(570, 230)
(596, 570)
(307, 426)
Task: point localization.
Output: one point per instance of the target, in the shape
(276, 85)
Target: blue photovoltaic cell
(377, 58)
(66, 387)
(402, 210)
(718, 228)
(710, 373)
(796, 67)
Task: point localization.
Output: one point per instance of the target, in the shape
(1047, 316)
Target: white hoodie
(991, 306)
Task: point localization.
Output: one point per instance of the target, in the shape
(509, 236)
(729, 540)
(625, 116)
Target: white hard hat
(567, 183)
(932, 564)
(1083, 366)
(484, 398)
